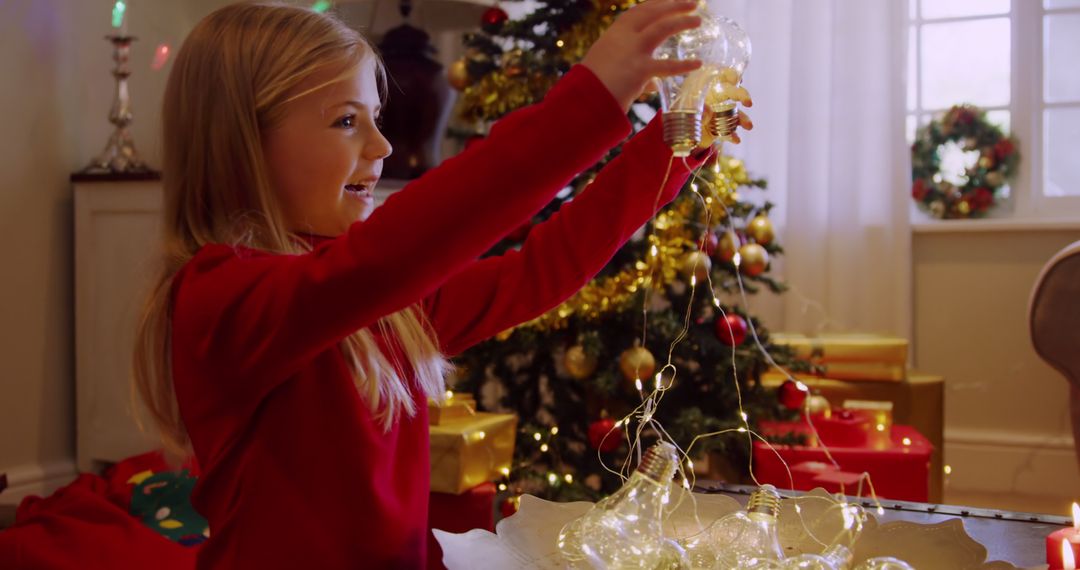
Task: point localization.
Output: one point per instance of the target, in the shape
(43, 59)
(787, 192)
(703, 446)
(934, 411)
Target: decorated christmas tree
(574, 374)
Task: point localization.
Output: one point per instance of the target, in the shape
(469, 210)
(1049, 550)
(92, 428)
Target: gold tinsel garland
(503, 90)
(673, 239)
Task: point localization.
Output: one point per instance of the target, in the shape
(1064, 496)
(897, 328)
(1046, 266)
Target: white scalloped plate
(527, 539)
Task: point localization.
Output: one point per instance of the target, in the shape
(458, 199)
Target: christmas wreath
(966, 127)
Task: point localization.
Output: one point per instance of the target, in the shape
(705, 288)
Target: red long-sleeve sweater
(295, 471)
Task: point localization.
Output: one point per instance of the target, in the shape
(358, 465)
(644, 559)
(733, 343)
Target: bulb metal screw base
(725, 119)
(682, 131)
(765, 501)
(659, 462)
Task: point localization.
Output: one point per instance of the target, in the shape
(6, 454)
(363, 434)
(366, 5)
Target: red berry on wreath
(791, 396)
(918, 190)
(492, 20)
(604, 436)
(731, 330)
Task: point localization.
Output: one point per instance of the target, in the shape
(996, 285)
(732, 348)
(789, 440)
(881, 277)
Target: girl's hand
(739, 94)
(623, 56)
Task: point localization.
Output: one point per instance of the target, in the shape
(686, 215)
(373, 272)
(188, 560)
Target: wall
(56, 98)
(1007, 434)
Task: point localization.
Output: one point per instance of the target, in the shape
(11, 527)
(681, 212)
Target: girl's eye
(346, 122)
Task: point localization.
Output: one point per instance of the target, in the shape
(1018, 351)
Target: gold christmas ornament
(753, 259)
(986, 162)
(698, 264)
(637, 363)
(458, 75)
(760, 229)
(728, 246)
(818, 405)
(578, 363)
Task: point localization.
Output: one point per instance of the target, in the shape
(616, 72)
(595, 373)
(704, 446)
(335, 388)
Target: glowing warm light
(1068, 562)
(449, 394)
(544, 448)
(948, 469)
(907, 441)
(554, 430)
(689, 464)
(637, 384)
(743, 414)
(654, 251)
(560, 43)
(801, 386)
(737, 259)
(502, 486)
(881, 427)
(505, 471)
(693, 280)
(741, 429)
(552, 478)
(161, 57)
(568, 478)
(537, 436)
(1076, 515)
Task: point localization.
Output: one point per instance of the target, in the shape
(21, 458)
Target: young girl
(295, 336)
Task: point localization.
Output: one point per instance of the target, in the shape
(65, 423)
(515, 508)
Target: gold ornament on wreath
(988, 159)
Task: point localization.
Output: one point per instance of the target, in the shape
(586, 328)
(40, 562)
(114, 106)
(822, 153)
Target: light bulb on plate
(730, 62)
(744, 539)
(682, 98)
(624, 529)
(838, 555)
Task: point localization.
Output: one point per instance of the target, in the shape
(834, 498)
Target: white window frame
(1027, 202)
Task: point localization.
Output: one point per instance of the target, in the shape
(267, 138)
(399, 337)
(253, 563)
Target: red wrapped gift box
(899, 466)
(474, 508)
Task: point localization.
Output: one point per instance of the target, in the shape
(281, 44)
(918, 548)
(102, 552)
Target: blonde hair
(229, 83)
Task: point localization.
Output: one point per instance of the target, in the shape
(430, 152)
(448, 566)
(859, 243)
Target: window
(1017, 59)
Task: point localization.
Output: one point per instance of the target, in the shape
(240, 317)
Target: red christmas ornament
(711, 241)
(492, 20)
(731, 330)
(791, 396)
(599, 429)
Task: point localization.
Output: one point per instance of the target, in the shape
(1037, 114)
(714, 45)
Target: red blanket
(87, 524)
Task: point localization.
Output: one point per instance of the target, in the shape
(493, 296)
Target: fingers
(745, 122)
(639, 17)
(669, 67)
(741, 95)
(734, 138)
(659, 30)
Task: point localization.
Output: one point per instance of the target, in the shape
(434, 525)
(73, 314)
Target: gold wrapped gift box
(851, 356)
(468, 451)
(456, 406)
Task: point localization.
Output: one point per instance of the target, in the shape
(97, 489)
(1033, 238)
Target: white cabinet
(117, 228)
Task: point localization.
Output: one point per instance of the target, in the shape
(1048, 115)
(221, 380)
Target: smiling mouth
(360, 191)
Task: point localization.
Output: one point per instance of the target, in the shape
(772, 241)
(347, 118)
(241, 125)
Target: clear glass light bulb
(837, 557)
(730, 62)
(682, 97)
(884, 563)
(743, 539)
(624, 529)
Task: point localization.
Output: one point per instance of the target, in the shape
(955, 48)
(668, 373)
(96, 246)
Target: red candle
(1063, 546)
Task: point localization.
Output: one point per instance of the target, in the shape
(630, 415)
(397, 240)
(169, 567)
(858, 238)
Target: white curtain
(828, 79)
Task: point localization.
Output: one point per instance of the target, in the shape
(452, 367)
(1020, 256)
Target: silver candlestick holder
(119, 156)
